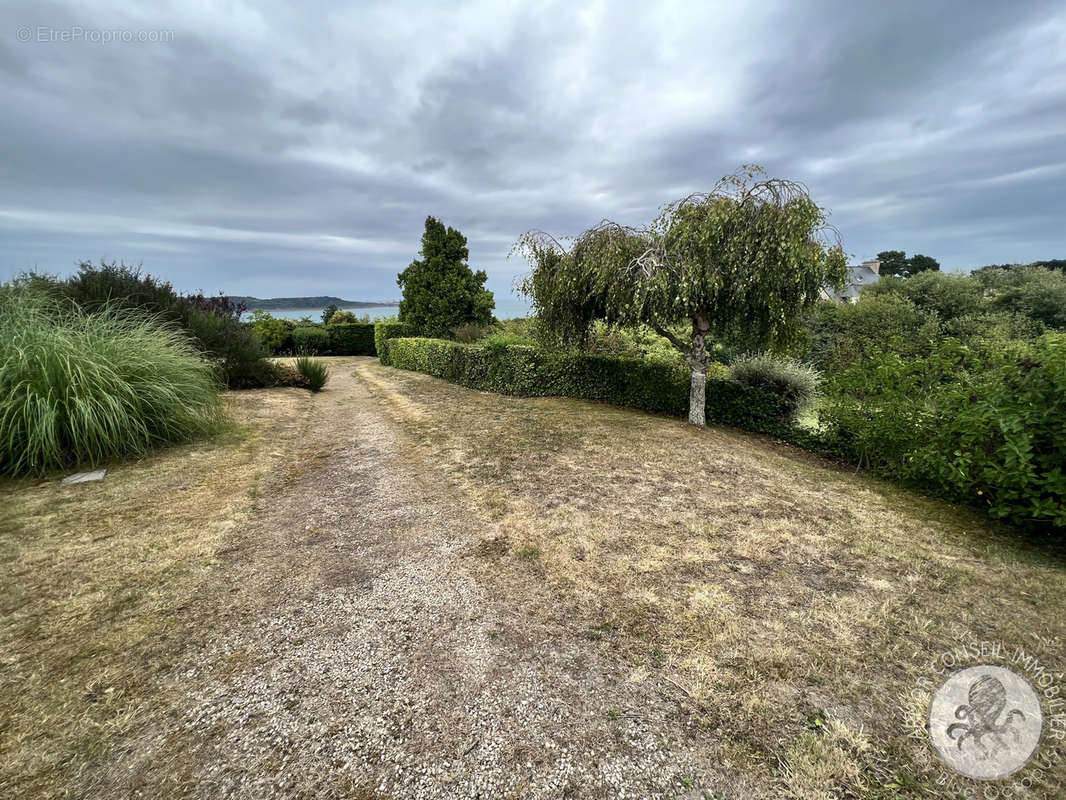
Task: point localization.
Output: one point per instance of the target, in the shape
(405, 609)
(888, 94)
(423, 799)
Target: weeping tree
(740, 262)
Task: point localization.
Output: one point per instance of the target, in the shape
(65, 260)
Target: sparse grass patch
(826, 762)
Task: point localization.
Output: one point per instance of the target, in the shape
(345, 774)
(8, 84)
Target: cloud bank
(280, 149)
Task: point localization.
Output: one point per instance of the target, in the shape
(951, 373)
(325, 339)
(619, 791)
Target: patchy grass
(102, 589)
(768, 587)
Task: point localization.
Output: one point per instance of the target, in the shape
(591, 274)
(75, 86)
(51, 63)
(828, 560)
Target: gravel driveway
(359, 654)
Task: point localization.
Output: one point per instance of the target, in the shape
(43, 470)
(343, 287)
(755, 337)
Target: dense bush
(980, 421)
(796, 383)
(383, 332)
(638, 383)
(79, 388)
(337, 338)
(113, 284)
(469, 332)
(237, 352)
(350, 338)
(638, 342)
(840, 335)
(214, 323)
(343, 317)
(1034, 292)
(315, 372)
(948, 295)
(998, 437)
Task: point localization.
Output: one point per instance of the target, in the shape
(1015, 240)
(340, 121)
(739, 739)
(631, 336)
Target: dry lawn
(787, 606)
(793, 603)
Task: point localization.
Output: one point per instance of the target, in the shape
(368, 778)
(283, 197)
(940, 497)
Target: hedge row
(383, 331)
(344, 339)
(636, 383)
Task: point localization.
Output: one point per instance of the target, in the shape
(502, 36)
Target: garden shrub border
(524, 371)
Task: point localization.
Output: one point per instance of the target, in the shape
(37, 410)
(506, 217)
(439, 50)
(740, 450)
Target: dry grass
(101, 592)
(765, 584)
(788, 606)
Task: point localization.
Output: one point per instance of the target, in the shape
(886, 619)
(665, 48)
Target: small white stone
(84, 477)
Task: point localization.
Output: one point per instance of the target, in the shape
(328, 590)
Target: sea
(506, 308)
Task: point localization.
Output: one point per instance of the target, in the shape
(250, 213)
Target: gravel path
(357, 653)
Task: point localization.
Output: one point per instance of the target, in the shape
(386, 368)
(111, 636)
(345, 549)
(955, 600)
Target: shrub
(273, 332)
(998, 437)
(213, 322)
(640, 342)
(638, 383)
(309, 340)
(1035, 292)
(794, 382)
(236, 350)
(78, 388)
(498, 340)
(343, 318)
(383, 332)
(316, 372)
(350, 338)
(946, 294)
(112, 284)
(842, 334)
(980, 422)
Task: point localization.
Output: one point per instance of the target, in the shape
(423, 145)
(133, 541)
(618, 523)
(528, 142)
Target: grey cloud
(281, 151)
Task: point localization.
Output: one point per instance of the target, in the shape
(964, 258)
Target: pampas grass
(81, 389)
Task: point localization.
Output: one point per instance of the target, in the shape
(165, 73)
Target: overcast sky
(295, 148)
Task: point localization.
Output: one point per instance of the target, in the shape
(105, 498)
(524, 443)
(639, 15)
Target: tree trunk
(697, 393)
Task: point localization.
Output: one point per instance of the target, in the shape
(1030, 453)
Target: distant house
(859, 277)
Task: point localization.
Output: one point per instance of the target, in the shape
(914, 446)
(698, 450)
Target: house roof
(859, 277)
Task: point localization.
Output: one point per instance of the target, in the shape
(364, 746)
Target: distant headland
(289, 303)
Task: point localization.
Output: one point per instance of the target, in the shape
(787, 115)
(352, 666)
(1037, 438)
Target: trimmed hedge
(525, 371)
(351, 339)
(343, 339)
(310, 340)
(383, 331)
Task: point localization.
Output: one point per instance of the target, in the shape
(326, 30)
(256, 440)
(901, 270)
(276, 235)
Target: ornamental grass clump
(314, 371)
(796, 383)
(81, 389)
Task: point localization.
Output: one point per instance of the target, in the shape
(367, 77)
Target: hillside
(321, 301)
